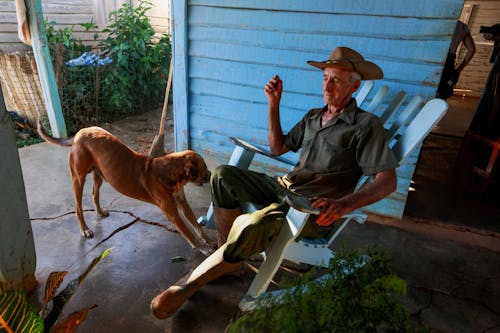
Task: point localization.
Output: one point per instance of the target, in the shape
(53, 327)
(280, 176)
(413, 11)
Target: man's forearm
(384, 184)
(274, 132)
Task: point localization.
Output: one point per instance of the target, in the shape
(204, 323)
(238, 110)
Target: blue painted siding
(225, 51)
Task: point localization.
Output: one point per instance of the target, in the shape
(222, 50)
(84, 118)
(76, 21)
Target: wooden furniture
(478, 163)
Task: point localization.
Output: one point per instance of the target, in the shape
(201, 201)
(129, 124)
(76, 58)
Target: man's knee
(221, 172)
(221, 182)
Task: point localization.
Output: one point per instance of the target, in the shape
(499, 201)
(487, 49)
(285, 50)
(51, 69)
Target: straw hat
(348, 58)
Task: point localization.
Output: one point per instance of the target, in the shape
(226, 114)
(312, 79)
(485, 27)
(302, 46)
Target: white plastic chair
(287, 245)
(364, 91)
(244, 152)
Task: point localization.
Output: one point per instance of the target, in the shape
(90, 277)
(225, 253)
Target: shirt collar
(347, 115)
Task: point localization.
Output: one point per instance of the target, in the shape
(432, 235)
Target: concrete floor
(452, 273)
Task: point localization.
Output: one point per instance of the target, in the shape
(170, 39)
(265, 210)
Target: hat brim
(367, 69)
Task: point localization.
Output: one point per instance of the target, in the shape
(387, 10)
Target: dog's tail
(44, 135)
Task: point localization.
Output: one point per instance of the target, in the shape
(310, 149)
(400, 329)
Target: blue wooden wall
(225, 51)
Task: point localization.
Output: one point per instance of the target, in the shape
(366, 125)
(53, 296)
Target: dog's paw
(103, 213)
(87, 233)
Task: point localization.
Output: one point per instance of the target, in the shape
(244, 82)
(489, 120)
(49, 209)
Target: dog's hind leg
(78, 181)
(96, 185)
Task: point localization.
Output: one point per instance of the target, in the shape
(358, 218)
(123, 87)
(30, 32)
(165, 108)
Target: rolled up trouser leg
(232, 186)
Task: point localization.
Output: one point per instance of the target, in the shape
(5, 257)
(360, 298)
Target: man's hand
(273, 90)
(331, 210)
(383, 184)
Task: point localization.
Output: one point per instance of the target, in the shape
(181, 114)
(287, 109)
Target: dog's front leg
(170, 210)
(186, 210)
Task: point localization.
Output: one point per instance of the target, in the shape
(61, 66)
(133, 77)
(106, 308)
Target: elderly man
(339, 143)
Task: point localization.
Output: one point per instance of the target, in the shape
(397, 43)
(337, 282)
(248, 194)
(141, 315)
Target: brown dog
(159, 180)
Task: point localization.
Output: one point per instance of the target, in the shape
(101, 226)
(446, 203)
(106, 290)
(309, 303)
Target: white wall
(69, 13)
(473, 77)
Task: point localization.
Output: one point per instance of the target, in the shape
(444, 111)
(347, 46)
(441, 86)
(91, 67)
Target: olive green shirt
(333, 157)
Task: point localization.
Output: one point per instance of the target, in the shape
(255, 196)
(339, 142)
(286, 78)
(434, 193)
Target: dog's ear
(191, 171)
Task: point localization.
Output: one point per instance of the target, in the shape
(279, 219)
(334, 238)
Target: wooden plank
(7, 6)
(9, 37)
(405, 8)
(8, 17)
(407, 50)
(67, 8)
(321, 23)
(45, 69)
(240, 59)
(180, 87)
(8, 27)
(76, 19)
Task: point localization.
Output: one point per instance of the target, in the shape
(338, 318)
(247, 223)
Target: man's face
(337, 86)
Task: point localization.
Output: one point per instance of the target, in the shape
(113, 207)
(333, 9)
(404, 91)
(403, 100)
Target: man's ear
(191, 171)
(356, 86)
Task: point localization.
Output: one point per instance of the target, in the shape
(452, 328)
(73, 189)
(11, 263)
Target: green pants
(252, 233)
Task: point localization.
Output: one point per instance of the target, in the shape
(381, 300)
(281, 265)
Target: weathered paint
(225, 52)
(17, 246)
(45, 68)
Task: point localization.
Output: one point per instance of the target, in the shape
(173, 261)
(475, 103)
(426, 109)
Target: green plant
(64, 37)
(138, 74)
(359, 295)
(18, 315)
(77, 85)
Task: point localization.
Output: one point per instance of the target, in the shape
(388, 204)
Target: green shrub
(359, 295)
(137, 77)
(132, 83)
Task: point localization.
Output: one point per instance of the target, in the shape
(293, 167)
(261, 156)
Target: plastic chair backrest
(392, 107)
(419, 128)
(377, 99)
(407, 114)
(364, 91)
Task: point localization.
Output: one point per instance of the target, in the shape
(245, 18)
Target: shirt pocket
(336, 156)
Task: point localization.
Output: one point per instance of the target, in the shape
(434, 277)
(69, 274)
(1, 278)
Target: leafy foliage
(18, 315)
(64, 37)
(138, 75)
(358, 296)
(133, 82)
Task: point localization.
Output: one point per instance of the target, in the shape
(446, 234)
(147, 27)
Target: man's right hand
(273, 90)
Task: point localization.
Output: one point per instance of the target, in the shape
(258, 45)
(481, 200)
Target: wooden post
(45, 68)
(17, 247)
(180, 83)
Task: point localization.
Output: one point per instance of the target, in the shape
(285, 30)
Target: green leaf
(17, 315)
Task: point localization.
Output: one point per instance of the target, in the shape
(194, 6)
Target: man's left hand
(331, 210)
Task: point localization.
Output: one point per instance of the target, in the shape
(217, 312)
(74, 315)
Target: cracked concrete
(452, 274)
